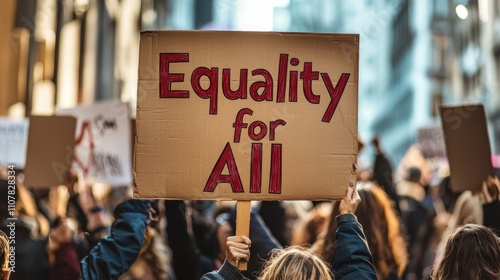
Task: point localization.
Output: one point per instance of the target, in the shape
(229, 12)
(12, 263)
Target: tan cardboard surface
(51, 142)
(467, 146)
(180, 140)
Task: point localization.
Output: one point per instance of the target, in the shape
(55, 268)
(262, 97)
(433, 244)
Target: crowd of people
(384, 228)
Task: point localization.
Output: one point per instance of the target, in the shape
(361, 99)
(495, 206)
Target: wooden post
(243, 225)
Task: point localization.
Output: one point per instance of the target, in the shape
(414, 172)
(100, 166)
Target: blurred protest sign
(495, 160)
(246, 115)
(49, 156)
(431, 142)
(103, 145)
(414, 157)
(467, 146)
(13, 142)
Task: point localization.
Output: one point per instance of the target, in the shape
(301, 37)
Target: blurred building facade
(372, 20)
(408, 100)
(414, 57)
(63, 53)
(475, 59)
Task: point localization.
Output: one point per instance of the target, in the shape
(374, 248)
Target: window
(402, 33)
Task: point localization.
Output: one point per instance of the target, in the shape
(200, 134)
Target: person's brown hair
(471, 252)
(4, 254)
(297, 263)
(382, 229)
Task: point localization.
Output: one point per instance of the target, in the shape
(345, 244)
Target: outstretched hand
(350, 202)
(238, 248)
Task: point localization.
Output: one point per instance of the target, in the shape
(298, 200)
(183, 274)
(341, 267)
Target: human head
(61, 231)
(468, 210)
(414, 174)
(471, 252)
(4, 256)
(297, 263)
(309, 228)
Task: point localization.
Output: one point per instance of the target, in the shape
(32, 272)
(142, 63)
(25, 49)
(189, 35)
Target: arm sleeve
(352, 259)
(114, 255)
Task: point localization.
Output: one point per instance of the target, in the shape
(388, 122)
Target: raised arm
(114, 255)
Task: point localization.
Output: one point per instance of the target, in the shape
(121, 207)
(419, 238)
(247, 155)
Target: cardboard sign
(13, 142)
(103, 146)
(431, 142)
(246, 115)
(467, 146)
(51, 141)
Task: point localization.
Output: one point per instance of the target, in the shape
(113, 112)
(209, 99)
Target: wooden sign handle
(242, 225)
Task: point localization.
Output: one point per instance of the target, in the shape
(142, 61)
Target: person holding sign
(352, 259)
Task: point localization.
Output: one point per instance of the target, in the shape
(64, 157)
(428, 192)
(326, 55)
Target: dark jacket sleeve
(225, 272)
(352, 259)
(492, 216)
(114, 255)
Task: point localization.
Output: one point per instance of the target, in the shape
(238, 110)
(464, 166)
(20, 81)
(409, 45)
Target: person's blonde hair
(295, 263)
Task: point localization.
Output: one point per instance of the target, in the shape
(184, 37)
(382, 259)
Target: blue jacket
(114, 255)
(352, 259)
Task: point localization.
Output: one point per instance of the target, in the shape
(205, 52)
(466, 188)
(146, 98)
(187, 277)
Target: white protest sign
(103, 148)
(13, 141)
